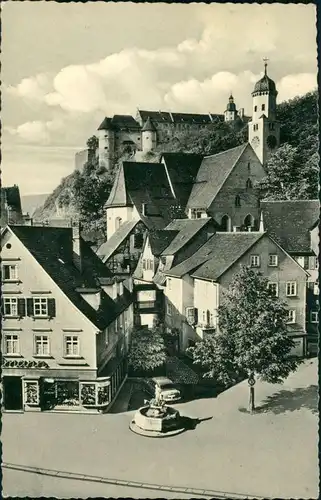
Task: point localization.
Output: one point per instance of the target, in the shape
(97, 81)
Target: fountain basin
(154, 421)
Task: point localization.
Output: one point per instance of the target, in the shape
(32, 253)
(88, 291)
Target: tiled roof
(187, 229)
(109, 247)
(212, 174)
(289, 222)
(216, 255)
(105, 124)
(160, 239)
(52, 248)
(167, 117)
(120, 122)
(182, 169)
(118, 195)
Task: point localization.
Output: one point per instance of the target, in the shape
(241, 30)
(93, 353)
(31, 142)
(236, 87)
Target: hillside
(31, 202)
(86, 192)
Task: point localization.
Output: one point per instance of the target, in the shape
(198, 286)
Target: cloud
(296, 85)
(35, 132)
(34, 88)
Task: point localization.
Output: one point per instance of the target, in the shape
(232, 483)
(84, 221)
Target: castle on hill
(126, 134)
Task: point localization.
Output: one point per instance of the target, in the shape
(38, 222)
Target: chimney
(76, 252)
(261, 227)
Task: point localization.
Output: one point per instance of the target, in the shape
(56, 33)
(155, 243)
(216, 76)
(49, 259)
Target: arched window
(226, 223)
(249, 184)
(118, 222)
(237, 201)
(249, 221)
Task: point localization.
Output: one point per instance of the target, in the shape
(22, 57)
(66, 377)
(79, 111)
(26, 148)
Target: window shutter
(51, 308)
(21, 308)
(30, 307)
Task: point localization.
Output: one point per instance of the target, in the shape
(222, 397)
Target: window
(169, 283)
(274, 289)
(226, 223)
(169, 308)
(291, 289)
(11, 346)
(313, 262)
(316, 289)
(71, 345)
(291, 316)
(273, 260)
(249, 184)
(40, 307)
(271, 126)
(314, 316)
(255, 108)
(10, 306)
(204, 317)
(255, 261)
(237, 201)
(306, 262)
(190, 315)
(249, 221)
(10, 272)
(263, 107)
(42, 345)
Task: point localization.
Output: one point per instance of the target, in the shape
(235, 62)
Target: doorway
(12, 393)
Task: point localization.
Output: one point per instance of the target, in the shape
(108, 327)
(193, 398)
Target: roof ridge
(289, 201)
(227, 150)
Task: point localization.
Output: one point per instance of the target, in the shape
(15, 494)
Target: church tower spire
(264, 130)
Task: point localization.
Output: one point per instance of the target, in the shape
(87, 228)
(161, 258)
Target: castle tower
(106, 146)
(148, 136)
(230, 113)
(264, 130)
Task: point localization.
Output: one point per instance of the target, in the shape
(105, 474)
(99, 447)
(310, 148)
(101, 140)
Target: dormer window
(237, 201)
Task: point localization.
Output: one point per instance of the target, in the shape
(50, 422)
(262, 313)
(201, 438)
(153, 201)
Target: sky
(67, 66)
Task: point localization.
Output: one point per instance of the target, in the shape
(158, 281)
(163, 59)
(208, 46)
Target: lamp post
(251, 382)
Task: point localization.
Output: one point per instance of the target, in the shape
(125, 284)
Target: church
(221, 186)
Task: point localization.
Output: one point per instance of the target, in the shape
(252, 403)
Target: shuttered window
(41, 307)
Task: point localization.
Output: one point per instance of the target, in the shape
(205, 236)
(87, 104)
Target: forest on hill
(292, 172)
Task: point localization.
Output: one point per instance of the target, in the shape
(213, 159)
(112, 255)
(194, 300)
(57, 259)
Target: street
(272, 453)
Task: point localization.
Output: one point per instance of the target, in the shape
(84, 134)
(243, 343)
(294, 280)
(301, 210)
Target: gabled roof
(182, 169)
(53, 250)
(120, 122)
(212, 174)
(221, 250)
(160, 239)
(187, 229)
(118, 196)
(109, 247)
(105, 124)
(289, 222)
(228, 248)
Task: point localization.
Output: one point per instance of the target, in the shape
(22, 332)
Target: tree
(147, 350)
(252, 340)
(287, 178)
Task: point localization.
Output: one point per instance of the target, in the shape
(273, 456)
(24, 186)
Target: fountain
(156, 419)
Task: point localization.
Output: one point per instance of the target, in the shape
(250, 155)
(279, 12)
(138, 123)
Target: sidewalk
(123, 398)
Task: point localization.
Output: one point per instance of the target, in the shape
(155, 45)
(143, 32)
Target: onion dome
(149, 126)
(105, 124)
(231, 104)
(265, 84)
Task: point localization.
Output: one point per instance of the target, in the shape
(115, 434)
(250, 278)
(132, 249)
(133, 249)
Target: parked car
(169, 393)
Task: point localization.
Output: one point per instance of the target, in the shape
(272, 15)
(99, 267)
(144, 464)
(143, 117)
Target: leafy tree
(287, 178)
(147, 350)
(252, 340)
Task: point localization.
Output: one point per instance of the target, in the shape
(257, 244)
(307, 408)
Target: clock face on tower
(255, 141)
(271, 141)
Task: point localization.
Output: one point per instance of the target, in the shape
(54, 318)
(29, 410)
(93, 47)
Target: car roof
(162, 380)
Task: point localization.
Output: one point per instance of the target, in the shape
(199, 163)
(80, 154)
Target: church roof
(118, 196)
(265, 84)
(182, 169)
(148, 126)
(289, 223)
(212, 174)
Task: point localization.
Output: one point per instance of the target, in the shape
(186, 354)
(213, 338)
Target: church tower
(264, 130)
(230, 113)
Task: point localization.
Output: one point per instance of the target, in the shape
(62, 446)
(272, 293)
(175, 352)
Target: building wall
(247, 167)
(206, 300)
(68, 320)
(148, 260)
(287, 270)
(115, 214)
